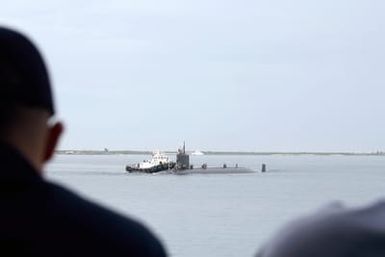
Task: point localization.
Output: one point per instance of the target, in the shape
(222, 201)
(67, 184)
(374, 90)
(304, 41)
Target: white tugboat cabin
(157, 159)
(158, 162)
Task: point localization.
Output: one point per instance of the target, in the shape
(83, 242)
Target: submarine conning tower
(182, 159)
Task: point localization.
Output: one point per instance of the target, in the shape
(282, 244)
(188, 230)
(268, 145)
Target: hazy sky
(273, 75)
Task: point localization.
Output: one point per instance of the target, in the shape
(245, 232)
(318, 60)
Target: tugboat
(159, 162)
(182, 166)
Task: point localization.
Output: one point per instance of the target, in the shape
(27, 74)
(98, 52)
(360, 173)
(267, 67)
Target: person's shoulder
(331, 231)
(101, 224)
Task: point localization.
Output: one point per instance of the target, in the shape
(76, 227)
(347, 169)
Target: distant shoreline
(133, 152)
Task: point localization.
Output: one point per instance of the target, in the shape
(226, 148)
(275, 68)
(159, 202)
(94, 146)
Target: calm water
(222, 215)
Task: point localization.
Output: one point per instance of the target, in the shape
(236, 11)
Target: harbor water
(222, 214)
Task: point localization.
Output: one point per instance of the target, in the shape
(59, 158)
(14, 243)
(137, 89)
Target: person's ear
(54, 133)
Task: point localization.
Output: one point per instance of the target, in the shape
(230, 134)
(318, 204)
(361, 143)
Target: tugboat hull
(153, 169)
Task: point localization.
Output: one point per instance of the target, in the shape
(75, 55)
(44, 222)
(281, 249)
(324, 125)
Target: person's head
(26, 102)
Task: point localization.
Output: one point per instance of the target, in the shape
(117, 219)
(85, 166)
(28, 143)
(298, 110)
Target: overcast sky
(273, 75)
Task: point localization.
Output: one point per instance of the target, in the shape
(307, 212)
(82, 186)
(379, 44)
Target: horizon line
(223, 152)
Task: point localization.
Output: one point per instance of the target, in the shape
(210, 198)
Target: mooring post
(263, 167)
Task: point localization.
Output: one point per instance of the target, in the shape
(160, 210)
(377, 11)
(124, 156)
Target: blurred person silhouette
(333, 231)
(37, 217)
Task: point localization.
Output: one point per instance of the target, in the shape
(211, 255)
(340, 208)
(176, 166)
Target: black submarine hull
(213, 170)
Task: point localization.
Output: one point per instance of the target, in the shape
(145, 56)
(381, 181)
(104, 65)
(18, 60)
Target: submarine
(182, 166)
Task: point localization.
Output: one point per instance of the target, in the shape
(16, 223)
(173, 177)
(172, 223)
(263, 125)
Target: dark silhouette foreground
(332, 232)
(39, 218)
